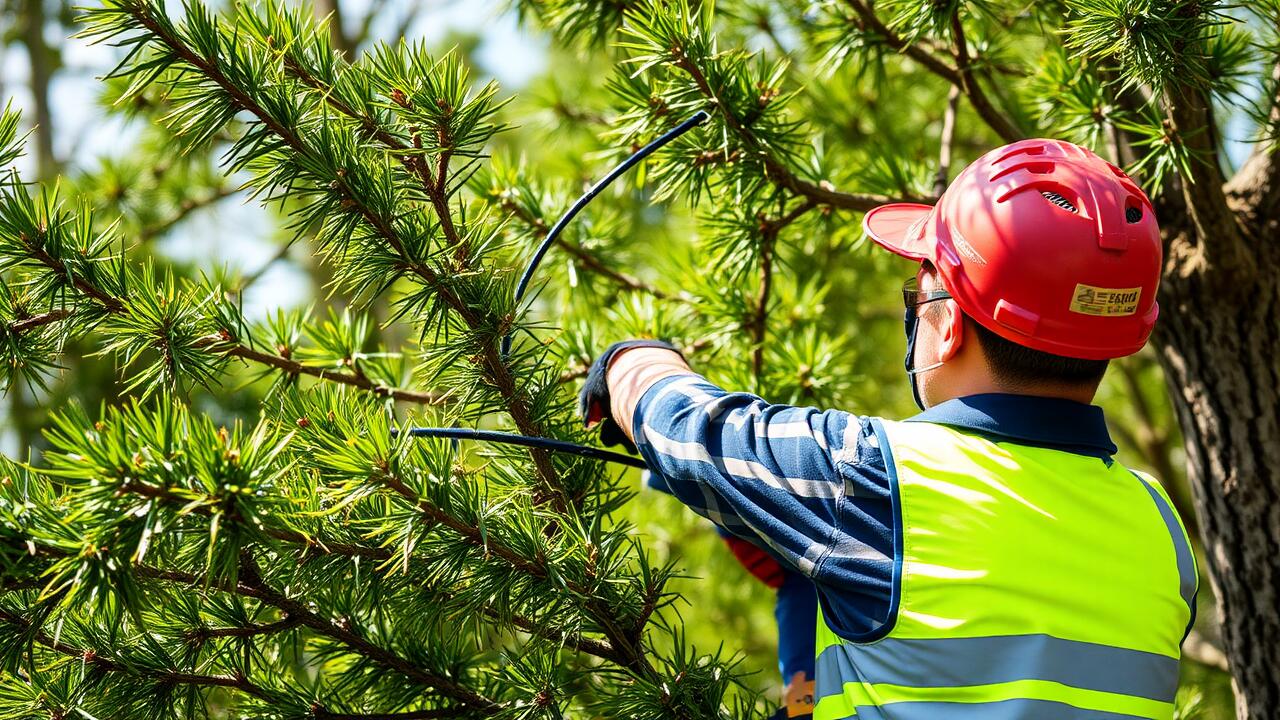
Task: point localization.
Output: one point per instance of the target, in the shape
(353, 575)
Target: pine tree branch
(576, 641)
(167, 677)
(252, 581)
(223, 345)
(968, 82)
(106, 300)
(216, 343)
(20, 326)
(489, 360)
(251, 585)
(626, 647)
(822, 193)
(869, 21)
(202, 634)
(472, 536)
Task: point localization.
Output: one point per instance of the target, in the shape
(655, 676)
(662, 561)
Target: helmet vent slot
(1132, 214)
(1060, 201)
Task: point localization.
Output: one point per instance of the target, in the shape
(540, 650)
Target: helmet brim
(899, 228)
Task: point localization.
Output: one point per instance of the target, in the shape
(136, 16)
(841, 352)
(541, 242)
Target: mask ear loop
(912, 321)
(926, 368)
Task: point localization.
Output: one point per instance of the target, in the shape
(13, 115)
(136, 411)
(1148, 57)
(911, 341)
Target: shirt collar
(1045, 422)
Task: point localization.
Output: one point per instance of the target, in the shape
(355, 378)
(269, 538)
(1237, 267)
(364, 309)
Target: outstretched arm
(774, 474)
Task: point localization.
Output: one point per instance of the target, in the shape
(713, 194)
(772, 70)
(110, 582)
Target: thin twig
(948, 136)
(998, 121)
(758, 324)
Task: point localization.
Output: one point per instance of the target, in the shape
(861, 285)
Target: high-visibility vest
(1029, 583)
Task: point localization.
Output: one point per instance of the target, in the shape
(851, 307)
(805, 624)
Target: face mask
(912, 320)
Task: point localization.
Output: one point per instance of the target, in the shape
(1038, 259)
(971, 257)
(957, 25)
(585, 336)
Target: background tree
(237, 529)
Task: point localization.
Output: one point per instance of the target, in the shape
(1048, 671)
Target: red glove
(757, 562)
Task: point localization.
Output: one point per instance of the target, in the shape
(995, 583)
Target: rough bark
(1220, 357)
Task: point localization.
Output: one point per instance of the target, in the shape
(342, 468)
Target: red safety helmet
(1042, 242)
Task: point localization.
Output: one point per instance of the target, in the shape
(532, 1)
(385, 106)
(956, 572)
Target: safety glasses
(913, 297)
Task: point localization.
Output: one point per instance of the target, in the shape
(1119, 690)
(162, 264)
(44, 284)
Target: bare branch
(998, 121)
(1256, 185)
(758, 324)
(1198, 649)
(948, 136)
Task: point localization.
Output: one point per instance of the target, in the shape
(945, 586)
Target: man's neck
(983, 385)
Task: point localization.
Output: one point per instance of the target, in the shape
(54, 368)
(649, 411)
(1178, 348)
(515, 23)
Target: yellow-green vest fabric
(1029, 583)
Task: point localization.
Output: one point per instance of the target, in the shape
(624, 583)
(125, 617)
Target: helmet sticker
(1105, 302)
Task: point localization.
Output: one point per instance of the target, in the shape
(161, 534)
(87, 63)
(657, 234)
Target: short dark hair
(1019, 366)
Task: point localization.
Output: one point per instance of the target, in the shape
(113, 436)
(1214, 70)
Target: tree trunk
(1219, 343)
(33, 20)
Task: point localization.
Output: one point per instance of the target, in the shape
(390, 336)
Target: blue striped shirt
(811, 486)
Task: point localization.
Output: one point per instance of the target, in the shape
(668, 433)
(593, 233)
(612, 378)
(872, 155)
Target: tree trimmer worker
(987, 558)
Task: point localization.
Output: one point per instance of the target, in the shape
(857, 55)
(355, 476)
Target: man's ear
(952, 332)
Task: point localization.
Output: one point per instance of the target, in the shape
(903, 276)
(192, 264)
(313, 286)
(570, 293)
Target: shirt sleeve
(808, 485)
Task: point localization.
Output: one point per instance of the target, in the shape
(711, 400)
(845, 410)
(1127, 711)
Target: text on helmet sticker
(1105, 302)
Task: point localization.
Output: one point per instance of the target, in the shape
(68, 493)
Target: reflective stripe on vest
(1029, 583)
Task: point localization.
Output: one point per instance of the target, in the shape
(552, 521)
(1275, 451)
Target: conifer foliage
(310, 558)
(319, 562)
